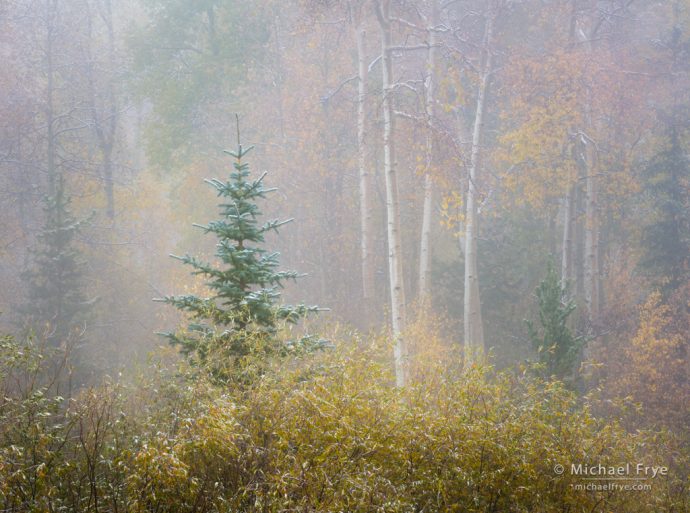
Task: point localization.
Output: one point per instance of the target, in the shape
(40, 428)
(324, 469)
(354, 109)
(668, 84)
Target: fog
(500, 185)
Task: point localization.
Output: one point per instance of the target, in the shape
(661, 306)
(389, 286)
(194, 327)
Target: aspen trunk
(591, 239)
(50, 111)
(109, 184)
(473, 328)
(425, 249)
(395, 274)
(105, 122)
(113, 121)
(364, 176)
(566, 250)
(591, 221)
(579, 245)
(591, 257)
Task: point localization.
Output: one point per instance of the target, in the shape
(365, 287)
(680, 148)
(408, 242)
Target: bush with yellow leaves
(653, 367)
(328, 433)
(335, 434)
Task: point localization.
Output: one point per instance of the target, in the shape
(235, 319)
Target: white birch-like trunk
(425, 249)
(395, 274)
(50, 107)
(472, 314)
(591, 238)
(591, 264)
(566, 250)
(364, 176)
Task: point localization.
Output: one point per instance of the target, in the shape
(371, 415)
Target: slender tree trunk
(50, 108)
(578, 244)
(465, 138)
(23, 181)
(279, 79)
(591, 238)
(365, 217)
(329, 217)
(112, 109)
(395, 274)
(566, 249)
(106, 116)
(109, 184)
(574, 242)
(473, 328)
(591, 264)
(425, 248)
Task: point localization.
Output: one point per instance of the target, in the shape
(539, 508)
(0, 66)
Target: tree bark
(591, 259)
(108, 142)
(109, 183)
(50, 107)
(395, 274)
(591, 238)
(365, 216)
(472, 314)
(425, 248)
(105, 117)
(566, 249)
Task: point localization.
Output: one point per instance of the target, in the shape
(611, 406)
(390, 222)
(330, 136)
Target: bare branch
(327, 97)
(407, 24)
(373, 63)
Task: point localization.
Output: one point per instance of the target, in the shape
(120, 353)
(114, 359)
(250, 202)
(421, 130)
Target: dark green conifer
(241, 317)
(666, 235)
(558, 348)
(56, 302)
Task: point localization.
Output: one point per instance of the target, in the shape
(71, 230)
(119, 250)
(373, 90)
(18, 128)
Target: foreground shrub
(653, 369)
(337, 436)
(329, 433)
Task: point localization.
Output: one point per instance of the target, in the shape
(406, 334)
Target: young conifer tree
(557, 346)
(56, 302)
(242, 316)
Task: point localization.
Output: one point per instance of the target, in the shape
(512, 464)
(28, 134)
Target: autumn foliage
(653, 370)
(329, 433)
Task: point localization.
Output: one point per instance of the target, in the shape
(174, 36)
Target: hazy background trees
(434, 154)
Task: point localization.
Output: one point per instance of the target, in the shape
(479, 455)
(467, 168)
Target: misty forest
(345, 256)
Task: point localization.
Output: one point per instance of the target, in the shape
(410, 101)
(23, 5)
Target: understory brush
(329, 432)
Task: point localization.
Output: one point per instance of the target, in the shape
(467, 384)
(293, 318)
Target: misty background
(435, 157)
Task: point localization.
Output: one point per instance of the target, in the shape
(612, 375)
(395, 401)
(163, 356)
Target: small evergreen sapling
(557, 346)
(56, 301)
(240, 320)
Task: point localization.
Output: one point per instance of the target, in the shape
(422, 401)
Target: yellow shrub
(335, 435)
(654, 368)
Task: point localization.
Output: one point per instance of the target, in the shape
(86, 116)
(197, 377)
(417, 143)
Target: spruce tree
(558, 348)
(55, 281)
(666, 236)
(241, 318)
